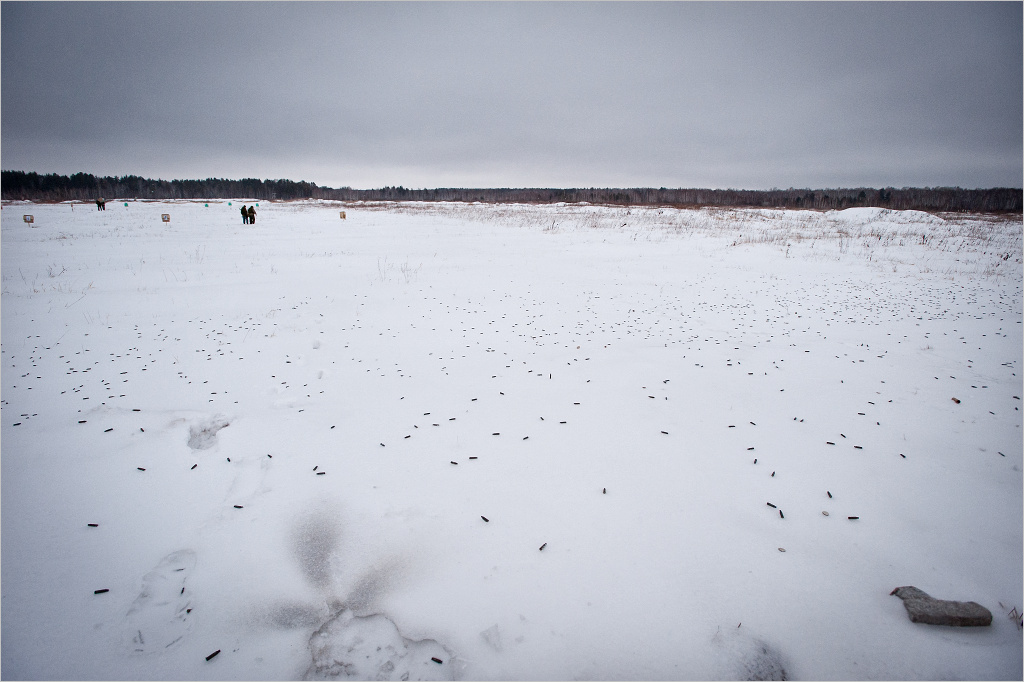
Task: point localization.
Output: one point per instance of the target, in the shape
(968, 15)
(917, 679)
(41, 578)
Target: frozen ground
(555, 442)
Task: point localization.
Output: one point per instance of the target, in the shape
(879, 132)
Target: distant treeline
(86, 187)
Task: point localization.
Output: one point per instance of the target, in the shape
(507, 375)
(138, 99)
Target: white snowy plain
(289, 435)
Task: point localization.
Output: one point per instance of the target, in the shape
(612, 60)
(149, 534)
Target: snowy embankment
(507, 442)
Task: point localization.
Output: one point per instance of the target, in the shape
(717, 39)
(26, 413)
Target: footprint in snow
(203, 434)
(745, 656)
(371, 648)
(159, 617)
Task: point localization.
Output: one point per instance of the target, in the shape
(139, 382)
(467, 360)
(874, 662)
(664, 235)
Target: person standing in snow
(245, 215)
(252, 215)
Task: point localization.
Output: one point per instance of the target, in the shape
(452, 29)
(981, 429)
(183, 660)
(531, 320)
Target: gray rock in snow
(923, 608)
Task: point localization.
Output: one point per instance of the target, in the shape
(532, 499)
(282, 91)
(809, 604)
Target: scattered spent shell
(485, 519)
(100, 591)
(782, 549)
(543, 546)
(213, 654)
(436, 660)
(824, 513)
(771, 505)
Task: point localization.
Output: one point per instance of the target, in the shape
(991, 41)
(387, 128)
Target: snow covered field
(507, 442)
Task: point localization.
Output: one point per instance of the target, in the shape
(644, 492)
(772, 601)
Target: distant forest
(85, 187)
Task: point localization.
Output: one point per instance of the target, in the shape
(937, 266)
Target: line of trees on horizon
(15, 185)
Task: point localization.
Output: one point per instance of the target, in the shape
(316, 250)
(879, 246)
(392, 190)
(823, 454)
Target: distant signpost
(166, 217)
(28, 218)
(342, 215)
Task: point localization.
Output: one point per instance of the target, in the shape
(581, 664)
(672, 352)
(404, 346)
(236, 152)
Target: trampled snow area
(481, 442)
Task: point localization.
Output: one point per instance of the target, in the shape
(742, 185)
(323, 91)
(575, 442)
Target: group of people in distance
(248, 215)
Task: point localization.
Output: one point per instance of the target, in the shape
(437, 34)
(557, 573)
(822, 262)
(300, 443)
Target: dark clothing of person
(245, 215)
(252, 215)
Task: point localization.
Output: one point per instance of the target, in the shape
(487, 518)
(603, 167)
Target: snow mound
(867, 214)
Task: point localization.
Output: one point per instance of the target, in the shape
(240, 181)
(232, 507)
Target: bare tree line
(85, 187)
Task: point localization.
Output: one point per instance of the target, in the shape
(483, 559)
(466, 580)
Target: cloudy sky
(535, 94)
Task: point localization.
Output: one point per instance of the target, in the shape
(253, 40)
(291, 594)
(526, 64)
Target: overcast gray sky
(535, 94)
